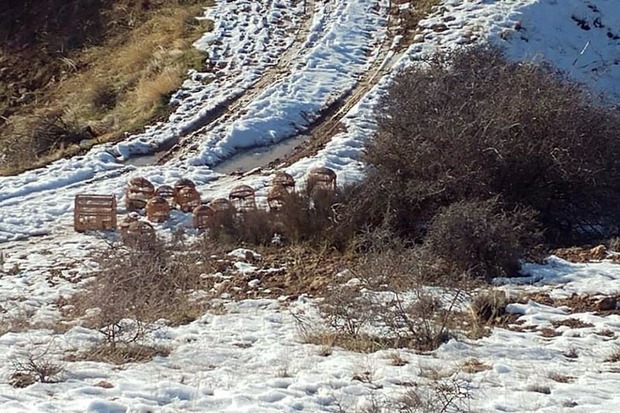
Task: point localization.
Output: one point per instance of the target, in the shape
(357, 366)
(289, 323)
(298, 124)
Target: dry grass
(561, 378)
(614, 356)
(143, 71)
(396, 359)
(412, 16)
(474, 366)
(539, 388)
(361, 343)
(133, 353)
(115, 86)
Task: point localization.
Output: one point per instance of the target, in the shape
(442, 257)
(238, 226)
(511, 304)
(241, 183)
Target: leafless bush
(136, 286)
(480, 238)
(440, 395)
(300, 219)
(473, 126)
(347, 310)
(384, 303)
(39, 136)
(54, 130)
(445, 395)
(385, 261)
(36, 366)
(423, 321)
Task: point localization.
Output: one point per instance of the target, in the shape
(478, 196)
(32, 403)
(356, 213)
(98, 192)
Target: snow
(250, 358)
(280, 73)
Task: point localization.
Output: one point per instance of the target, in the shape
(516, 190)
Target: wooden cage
(184, 183)
(221, 204)
(126, 221)
(321, 179)
(204, 214)
(137, 192)
(187, 198)
(276, 197)
(284, 180)
(168, 193)
(157, 209)
(242, 198)
(94, 212)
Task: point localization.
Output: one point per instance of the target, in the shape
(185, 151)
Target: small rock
(606, 304)
(104, 384)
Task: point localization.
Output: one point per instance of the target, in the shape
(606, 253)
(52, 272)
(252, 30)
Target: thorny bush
(472, 126)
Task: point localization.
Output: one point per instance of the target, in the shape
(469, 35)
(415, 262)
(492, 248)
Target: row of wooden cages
(98, 212)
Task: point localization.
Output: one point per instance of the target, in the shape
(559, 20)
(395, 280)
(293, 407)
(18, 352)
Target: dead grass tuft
(132, 353)
(561, 378)
(614, 356)
(539, 388)
(474, 366)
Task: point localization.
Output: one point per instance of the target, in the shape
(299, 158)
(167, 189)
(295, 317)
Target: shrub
(301, 219)
(55, 130)
(36, 364)
(103, 96)
(478, 238)
(472, 126)
(137, 286)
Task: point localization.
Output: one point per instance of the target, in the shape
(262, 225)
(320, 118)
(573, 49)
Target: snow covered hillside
(282, 69)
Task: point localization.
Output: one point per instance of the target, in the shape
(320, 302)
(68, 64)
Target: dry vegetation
(410, 17)
(481, 160)
(94, 71)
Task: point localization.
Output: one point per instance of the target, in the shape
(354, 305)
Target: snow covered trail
(338, 47)
(342, 45)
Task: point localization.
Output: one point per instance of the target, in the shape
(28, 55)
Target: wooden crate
(94, 212)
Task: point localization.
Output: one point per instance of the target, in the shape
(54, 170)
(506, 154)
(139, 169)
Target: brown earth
(83, 69)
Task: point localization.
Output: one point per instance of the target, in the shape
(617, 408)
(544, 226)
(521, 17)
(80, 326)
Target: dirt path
(234, 107)
(319, 132)
(329, 123)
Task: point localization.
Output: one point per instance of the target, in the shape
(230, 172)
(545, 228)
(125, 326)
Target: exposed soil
(52, 51)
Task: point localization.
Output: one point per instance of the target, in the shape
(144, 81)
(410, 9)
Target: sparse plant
(474, 366)
(614, 356)
(489, 307)
(347, 310)
(441, 395)
(135, 287)
(301, 218)
(103, 96)
(561, 378)
(539, 388)
(614, 244)
(571, 353)
(480, 238)
(36, 365)
(123, 353)
(396, 359)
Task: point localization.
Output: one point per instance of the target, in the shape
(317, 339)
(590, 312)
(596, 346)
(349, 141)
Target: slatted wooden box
(94, 213)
